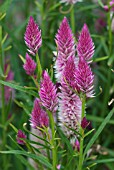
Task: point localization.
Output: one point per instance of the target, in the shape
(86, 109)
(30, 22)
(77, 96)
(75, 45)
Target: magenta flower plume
(84, 78)
(65, 46)
(29, 65)
(85, 46)
(84, 123)
(77, 145)
(21, 134)
(68, 74)
(69, 111)
(48, 93)
(39, 117)
(9, 92)
(32, 36)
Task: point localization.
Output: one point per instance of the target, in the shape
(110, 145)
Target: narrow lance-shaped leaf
(39, 157)
(100, 129)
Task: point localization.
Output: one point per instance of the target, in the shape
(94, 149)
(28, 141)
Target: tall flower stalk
(82, 135)
(48, 97)
(76, 82)
(33, 40)
(75, 79)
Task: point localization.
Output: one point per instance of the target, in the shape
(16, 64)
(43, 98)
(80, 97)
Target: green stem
(72, 18)
(80, 165)
(36, 83)
(47, 150)
(39, 67)
(53, 142)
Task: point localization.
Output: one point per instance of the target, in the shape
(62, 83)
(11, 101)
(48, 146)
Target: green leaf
(20, 88)
(39, 157)
(88, 133)
(39, 67)
(98, 119)
(54, 6)
(14, 128)
(1, 72)
(25, 162)
(4, 7)
(24, 126)
(20, 104)
(21, 158)
(4, 39)
(2, 16)
(65, 140)
(100, 3)
(102, 161)
(93, 139)
(100, 59)
(87, 7)
(38, 5)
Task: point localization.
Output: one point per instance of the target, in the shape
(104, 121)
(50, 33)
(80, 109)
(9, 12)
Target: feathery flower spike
(69, 111)
(68, 74)
(65, 46)
(21, 134)
(32, 36)
(48, 93)
(29, 65)
(84, 78)
(85, 46)
(70, 1)
(39, 117)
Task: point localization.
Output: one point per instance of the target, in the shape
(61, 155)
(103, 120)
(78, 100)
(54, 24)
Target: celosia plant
(63, 107)
(56, 101)
(59, 110)
(76, 84)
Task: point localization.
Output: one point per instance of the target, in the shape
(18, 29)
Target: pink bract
(32, 36)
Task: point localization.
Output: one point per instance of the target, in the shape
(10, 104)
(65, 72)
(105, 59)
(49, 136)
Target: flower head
(85, 46)
(48, 93)
(69, 111)
(106, 8)
(77, 145)
(33, 36)
(84, 78)
(21, 134)
(65, 46)
(68, 78)
(39, 117)
(84, 123)
(9, 92)
(70, 1)
(29, 65)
